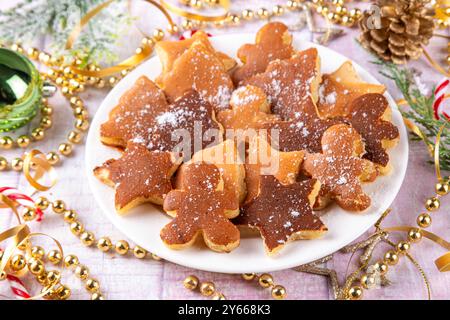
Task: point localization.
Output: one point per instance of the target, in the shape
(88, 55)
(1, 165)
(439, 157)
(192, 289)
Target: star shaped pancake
(133, 115)
(181, 124)
(340, 169)
(200, 70)
(340, 88)
(369, 115)
(138, 176)
(249, 108)
(303, 132)
(169, 51)
(201, 207)
(262, 159)
(283, 213)
(273, 42)
(290, 83)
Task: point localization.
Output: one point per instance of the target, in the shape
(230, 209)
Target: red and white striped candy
(22, 199)
(439, 94)
(17, 287)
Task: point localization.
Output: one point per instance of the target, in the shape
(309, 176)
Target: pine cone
(400, 32)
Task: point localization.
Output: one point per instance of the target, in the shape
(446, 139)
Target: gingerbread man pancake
(138, 176)
(289, 83)
(169, 51)
(249, 109)
(183, 121)
(304, 131)
(273, 42)
(283, 213)
(201, 207)
(339, 168)
(262, 159)
(226, 158)
(199, 69)
(369, 115)
(133, 115)
(340, 88)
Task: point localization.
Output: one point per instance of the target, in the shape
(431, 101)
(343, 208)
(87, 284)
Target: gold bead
(47, 111)
(424, 220)
(265, 280)
(263, 13)
(24, 245)
(54, 256)
(23, 141)
(17, 262)
(381, 267)
(53, 276)
(65, 149)
(81, 112)
(65, 90)
(97, 296)
(403, 247)
(76, 227)
(74, 137)
(122, 247)
(139, 252)
(248, 276)
(38, 134)
(278, 292)
(278, 10)
(391, 258)
(187, 24)
(63, 293)
(355, 293)
(17, 47)
(3, 275)
(49, 294)
(442, 188)
(92, 285)
(233, 19)
(3, 164)
(58, 206)
(71, 261)
(247, 14)
(42, 279)
(113, 81)
(207, 289)
(104, 244)
(82, 272)
(191, 282)
(6, 142)
(36, 266)
(37, 252)
(46, 122)
(17, 164)
(195, 4)
(33, 53)
(87, 238)
(70, 216)
(292, 4)
(81, 124)
(432, 204)
(100, 83)
(42, 203)
(218, 296)
(158, 34)
(414, 235)
(76, 102)
(52, 158)
(173, 29)
(29, 214)
(44, 57)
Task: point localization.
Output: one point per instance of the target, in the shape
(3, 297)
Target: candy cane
(439, 94)
(17, 287)
(22, 199)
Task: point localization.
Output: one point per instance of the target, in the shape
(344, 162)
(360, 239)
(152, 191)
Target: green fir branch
(98, 41)
(421, 108)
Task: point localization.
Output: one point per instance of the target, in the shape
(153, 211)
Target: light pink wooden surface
(127, 278)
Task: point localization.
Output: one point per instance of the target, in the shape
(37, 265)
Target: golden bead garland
(414, 235)
(206, 289)
(74, 136)
(87, 238)
(265, 280)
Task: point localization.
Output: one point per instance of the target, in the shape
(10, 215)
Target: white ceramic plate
(143, 224)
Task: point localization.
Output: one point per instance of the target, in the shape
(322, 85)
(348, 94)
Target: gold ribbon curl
(128, 63)
(37, 159)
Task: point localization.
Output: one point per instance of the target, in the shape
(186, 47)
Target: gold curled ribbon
(128, 63)
(42, 166)
(6, 203)
(437, 165)
(225, 4)
(434, 64)
(442, 263)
